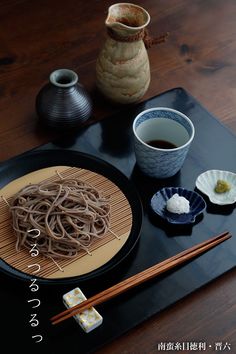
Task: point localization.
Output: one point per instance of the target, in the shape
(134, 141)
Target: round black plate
(35, 160)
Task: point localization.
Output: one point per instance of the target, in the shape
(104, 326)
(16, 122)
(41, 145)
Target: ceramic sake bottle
(122, 68)
(63, 103)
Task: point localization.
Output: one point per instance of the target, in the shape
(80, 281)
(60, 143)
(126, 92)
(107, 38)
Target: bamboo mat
(102, 250)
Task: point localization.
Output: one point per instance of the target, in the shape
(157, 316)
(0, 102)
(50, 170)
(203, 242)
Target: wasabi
(222, 186)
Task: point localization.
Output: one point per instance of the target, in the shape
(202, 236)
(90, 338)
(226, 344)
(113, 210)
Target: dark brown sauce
(161, 144)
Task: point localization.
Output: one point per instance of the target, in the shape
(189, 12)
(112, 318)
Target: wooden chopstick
(141, 277)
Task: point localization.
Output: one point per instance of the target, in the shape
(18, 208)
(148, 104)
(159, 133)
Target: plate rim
(98, 164)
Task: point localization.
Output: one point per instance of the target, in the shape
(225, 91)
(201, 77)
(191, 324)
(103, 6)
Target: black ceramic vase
(63, 103)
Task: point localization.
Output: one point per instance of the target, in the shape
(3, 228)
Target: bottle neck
(63, 78)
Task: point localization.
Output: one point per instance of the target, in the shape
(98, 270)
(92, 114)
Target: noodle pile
(69, 214)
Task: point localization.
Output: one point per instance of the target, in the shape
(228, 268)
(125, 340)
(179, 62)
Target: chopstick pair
(141, 277)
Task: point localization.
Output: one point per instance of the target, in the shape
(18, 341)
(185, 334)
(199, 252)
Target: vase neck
(63, 78)
(126, 19)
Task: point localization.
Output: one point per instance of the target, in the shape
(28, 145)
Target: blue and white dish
(207, 181)
(196, 203)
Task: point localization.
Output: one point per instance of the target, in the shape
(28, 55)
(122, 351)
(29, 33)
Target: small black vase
(63, 103)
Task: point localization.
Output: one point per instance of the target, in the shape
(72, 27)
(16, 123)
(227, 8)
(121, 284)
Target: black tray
(111, 140)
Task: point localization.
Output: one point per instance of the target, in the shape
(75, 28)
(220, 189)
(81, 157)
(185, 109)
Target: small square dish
(159, 205)
(219, 186)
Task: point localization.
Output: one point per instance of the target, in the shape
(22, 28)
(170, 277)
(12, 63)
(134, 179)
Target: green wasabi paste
(222, 186)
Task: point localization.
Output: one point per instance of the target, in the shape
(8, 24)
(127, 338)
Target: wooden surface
(200, 55)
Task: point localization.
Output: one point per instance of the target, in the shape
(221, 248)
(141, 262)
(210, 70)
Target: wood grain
(200, 55)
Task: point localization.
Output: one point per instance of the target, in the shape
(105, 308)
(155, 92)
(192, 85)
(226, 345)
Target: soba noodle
(69, 214)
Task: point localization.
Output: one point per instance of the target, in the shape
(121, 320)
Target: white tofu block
(88, 319)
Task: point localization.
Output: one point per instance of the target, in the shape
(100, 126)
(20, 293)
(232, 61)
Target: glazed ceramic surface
(122, 69)
(63, 102)
(162, 124)
(206, 183)
(196, 203)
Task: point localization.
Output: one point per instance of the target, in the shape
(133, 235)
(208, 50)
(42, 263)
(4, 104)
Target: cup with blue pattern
(162, 138)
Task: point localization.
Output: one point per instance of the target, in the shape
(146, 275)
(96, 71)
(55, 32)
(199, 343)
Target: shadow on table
(216, 209)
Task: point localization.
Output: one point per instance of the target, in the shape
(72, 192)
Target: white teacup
(162, 137)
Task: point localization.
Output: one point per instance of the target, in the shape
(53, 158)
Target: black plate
(36, 160)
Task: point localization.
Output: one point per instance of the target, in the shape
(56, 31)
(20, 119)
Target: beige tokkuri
(122, 69)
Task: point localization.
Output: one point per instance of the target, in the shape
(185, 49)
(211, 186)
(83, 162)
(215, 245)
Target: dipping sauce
(161, 144)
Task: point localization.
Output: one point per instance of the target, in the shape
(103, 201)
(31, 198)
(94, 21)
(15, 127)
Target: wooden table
(200, 55)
